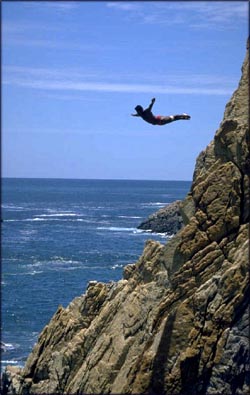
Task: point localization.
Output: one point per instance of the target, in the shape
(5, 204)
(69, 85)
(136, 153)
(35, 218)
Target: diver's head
(139, 109)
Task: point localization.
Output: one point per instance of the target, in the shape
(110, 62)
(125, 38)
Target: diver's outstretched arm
(151, 105)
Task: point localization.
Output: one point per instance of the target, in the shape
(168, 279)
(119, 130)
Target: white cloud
(62, 5)
(60, 45)
(79, 81)
(24, 72)
(124, 6)
(221, 14)
(17, 27)
(196, 14)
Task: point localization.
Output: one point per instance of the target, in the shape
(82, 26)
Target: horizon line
(89, 179)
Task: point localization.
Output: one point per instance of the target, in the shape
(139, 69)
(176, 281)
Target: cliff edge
(178, 322)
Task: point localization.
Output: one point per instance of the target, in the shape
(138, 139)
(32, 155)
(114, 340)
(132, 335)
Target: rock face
(166, 220)
(177, 323)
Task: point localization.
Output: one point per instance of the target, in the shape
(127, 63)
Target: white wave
(63, 261)
(116, 229)
(139, 231)
(90, 267)
(34, 272)
(50, 219)
(25, 273)
(18, 220)
(163, 235)
(73, 218)
(52, 267)
(24, 220)
(87, 221)
(36, 219)
(155, 204)
(11, 220)
(64, 214)
(27, 233)
(12, 207)
(142, 231)
(66, 269)
(11, 259)
(10, 362)
(8, 346)
(61, 210)
(116, 266)
(46, 263)
(128, 216)
(54, 262)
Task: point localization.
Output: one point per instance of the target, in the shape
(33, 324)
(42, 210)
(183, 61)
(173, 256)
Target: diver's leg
(167, 119)
(181, 116)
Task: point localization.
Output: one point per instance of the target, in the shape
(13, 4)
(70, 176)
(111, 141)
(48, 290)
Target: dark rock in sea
(177, 323)
(166, 220)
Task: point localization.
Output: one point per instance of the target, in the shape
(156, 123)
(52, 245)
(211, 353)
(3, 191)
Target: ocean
(57, 235)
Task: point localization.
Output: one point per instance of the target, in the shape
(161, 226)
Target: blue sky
(72, 73)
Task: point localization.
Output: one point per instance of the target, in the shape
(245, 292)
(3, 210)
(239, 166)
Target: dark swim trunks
(159, 119)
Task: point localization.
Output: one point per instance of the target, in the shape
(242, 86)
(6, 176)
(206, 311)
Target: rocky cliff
(166, 220)
(177, 323)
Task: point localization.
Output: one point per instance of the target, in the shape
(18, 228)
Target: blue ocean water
(57, 235)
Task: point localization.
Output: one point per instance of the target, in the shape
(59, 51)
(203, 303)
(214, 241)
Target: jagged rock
(166, 220)
(177, 323)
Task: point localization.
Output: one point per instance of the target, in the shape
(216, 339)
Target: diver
(149, 117)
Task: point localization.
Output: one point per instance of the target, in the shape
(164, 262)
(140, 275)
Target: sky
(72, 73)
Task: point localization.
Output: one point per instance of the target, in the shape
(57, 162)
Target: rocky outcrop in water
(178, 322)
(166, 220)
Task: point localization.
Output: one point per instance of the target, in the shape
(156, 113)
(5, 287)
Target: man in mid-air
(149, 117)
